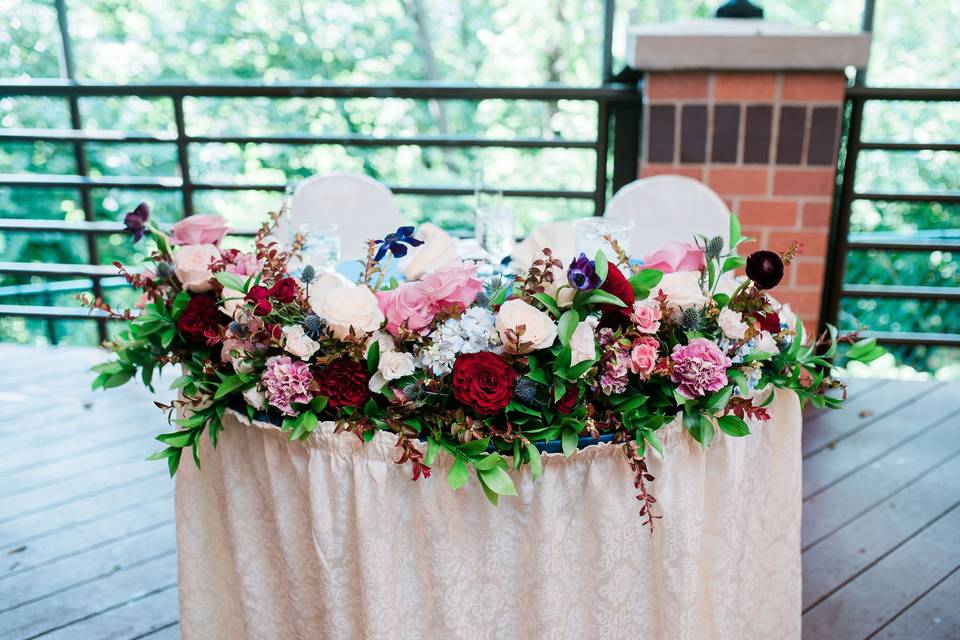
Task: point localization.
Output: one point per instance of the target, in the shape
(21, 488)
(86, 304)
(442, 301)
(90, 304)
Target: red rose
(568, 402)
(769, 321)
(285, 290)
(617, 284)
(258, 296)
(199, 318)
(345, 382)
(483, 381)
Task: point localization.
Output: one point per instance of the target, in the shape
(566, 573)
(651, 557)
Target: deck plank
(150, 617)
(935, 617)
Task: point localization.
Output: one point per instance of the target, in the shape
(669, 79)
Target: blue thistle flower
(308, 274)
(312, 326)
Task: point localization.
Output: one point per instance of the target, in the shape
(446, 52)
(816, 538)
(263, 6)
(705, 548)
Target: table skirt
(331, 539)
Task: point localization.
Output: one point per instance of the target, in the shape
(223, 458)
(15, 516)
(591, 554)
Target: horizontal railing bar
(410, 90)
(81, 135)
(94, 271)
(63, 286)
(172, 182)
(80, 226)
(909, 146)
(901, 292)
(902, 243)
(59, 313)
(925, 94)
(946, 196)
(915, 338)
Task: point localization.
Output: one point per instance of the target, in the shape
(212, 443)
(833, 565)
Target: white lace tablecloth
(331, 539)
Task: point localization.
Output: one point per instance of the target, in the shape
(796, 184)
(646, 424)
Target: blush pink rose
(676, 256)
(409, 305)
(193, 266)
(643, 356)
(699, 368)
(455, 285)
(204, 229)
(647, 315)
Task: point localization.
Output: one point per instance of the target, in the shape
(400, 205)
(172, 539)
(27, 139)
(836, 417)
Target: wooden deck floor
(87, 536)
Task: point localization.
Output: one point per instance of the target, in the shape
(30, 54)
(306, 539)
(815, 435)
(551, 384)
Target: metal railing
(616, 147)
(842, 241)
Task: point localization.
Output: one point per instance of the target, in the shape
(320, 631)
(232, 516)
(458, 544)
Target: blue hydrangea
(472, 332)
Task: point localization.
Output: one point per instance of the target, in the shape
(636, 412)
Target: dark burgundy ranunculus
(258, 296)
(483, 381)
(285, 290)
(765, 268)
(769, 321)
(200, 318)
(618, 285)
(345, 382)
(135, 222)
(568, 402)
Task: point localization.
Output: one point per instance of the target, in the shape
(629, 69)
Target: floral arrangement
(602, 347)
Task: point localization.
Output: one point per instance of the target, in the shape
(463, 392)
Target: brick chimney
(753, 109)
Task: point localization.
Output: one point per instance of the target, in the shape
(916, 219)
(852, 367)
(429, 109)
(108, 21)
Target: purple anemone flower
(135, 222)
(394, 243)
(582, 274)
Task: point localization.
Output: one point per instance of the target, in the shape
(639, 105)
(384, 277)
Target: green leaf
(373, 356)
(706, 430)
(536, 464)
(173, 461)
(602, 297)
(118, 379)
(319, 403)
(231, 281)
(865, 351)
(559, 390)
(538, 375)
(735, 236)
(501, 294)
(569, 440)
(229, 385)
(433, 449)
(719, 399)
(457, 476)
(733, 426)
(498, 480)
(654, 440)
(644, 281)
(308, 422)
(487, 491)
(475, 447)
(601, 265)
(166, 338)
(165, 453)
(548, 302)
(757, 355)
(567, 325)
(177, 438)
(732, 263)
(179, 304)
(629, 402)
(488, 461)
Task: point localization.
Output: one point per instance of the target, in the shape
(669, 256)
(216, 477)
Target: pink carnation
(646, 315)
(409, 305)
(643, 356)
(242, 264)
(205, 229)
(676, 256)
(699, 368)
(455, 285)
(286, 381)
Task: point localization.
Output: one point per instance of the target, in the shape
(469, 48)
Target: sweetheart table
(329, 538)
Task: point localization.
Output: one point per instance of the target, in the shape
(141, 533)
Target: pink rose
(193, 266)
(646, 315)
(676, 256)
(455, 285)
(699, 368)
(207, 229)
(409, 305)
(643, 356)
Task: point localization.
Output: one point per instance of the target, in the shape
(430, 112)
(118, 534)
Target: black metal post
(627, 122)
(603, 147)
(183, 156)
(67, 70)
(606, 58)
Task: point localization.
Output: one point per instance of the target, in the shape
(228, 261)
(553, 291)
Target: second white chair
(360, 206)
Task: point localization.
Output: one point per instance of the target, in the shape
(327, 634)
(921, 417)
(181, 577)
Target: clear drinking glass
(590, 232)
(322, 246)
(496, 233)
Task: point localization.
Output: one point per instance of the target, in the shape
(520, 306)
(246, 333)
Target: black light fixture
(739, 9)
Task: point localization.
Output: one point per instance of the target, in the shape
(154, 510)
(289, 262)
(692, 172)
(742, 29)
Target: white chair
(360, 206)
(667, 209)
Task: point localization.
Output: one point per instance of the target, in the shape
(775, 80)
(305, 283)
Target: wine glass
(590, 232)
(322, 245)
(496, 233)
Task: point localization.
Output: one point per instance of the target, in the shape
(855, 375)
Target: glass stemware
(322, 246)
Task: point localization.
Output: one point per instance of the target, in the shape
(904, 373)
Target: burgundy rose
(345, 382)
(285, 290)
(769, 321)
(618, 285)
(258, 296)
(200, 318)
(568, 402)
(483, 381)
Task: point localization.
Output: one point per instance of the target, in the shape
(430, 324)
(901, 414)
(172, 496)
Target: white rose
(255, 398)
(683, 291)
(731, 324)
(392, 365)
(559, 289)
(322, 283)
(348, 307)
(191, 264)
(765, 343)
(298, 343)
(384, 339)
(787, 317)
(583, 344)
(232, 303)
(539, 330)
(438, 249)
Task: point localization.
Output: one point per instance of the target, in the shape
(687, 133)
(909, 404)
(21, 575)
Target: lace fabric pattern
(331, 539)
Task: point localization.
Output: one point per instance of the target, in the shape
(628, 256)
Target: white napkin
(438, 249)
(557, 236)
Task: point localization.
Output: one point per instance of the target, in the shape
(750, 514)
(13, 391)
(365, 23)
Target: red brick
(814, 87)
(813, 243)
(744, 87)
(771, 213)
(735, 182)
(804, 303)
(816, 214)
(808, 271)
(804, 182)
(683, 84)
(652, 169)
